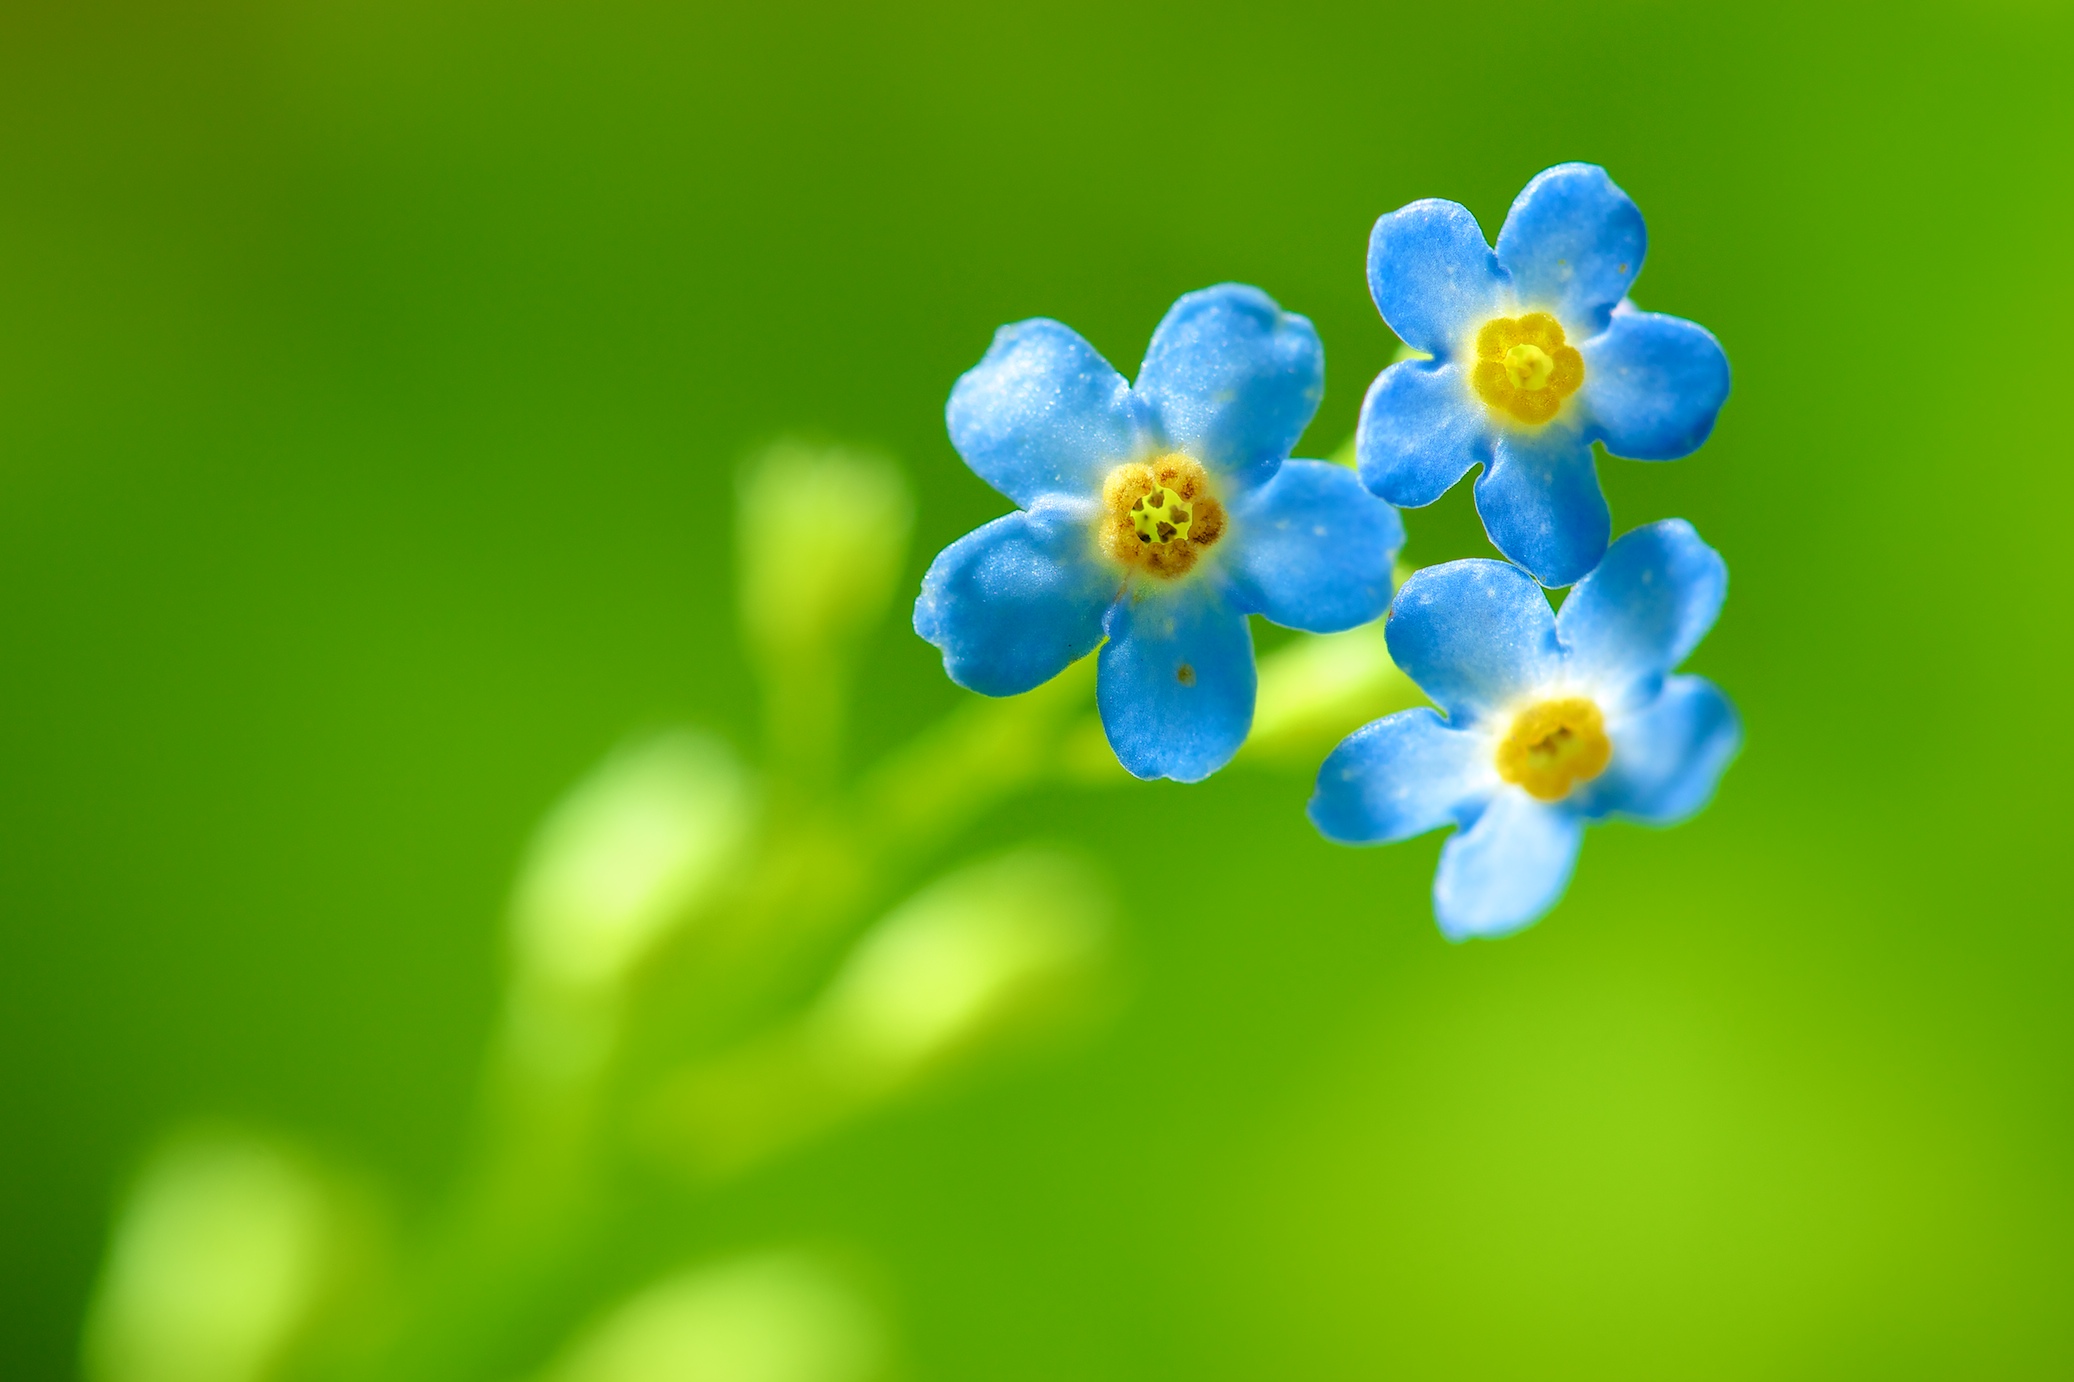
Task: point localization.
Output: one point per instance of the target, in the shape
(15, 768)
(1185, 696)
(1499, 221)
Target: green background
(372, 379)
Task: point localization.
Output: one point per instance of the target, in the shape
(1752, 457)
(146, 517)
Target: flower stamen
(1553, 746)
(1529, 367)
(1161, 514)
(1524, 368)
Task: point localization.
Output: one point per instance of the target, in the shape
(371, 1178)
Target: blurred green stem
(805, 691)
(530, 1210)
(978, 756)
(525, 1204)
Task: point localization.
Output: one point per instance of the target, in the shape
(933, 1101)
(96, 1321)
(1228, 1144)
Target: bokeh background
(373, 376)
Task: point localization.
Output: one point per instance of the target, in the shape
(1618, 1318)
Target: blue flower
(1553, 721)
(1157, 515)
(1536, 355)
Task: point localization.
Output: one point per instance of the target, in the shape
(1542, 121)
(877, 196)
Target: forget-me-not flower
(1158, 515)
(1553, 721)
(1536, 355)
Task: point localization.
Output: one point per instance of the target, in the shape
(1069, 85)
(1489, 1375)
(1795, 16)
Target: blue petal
(1667, 756)
(1475, 635)
(1643, 609)
(1400, 776)
(1312, 549)
(1653, 384)
(1433, 275)
(1507, 869)
(1573, 242)
(1541, 505)
(1011, 604)
(1233, 380)
(1042, 414)
(1420, 432)
(1175, 682)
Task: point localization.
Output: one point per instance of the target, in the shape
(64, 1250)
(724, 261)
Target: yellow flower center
(1553, 746)
(1523, 367)
(1161, 515)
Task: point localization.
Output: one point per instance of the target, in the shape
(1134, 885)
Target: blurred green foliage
(373, 382)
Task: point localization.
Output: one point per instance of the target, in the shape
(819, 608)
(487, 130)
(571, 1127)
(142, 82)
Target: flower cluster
(1155, 516)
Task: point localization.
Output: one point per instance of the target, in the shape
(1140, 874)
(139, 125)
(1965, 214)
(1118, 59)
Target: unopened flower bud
(823, 534)
(780, 1317)
(628, 855)
(992, 946)
(221, 1253)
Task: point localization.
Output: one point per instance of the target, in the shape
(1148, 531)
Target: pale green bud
(992, 946)
(221, 1252)
(823, 536)
(1015, 947)
(627, 857)
(780, 1317)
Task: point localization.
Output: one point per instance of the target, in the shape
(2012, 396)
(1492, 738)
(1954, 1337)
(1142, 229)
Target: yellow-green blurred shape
(823, 533)
(627, 857)
(221, 1253)
(778, 1317)
(1084, 757)
(1318, 688)
(994, 946)
(1014, 947)
(822, 536)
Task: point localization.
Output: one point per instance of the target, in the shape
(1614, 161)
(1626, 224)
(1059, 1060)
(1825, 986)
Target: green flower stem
(975, 758)
(805, 694)
(571, 1075)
